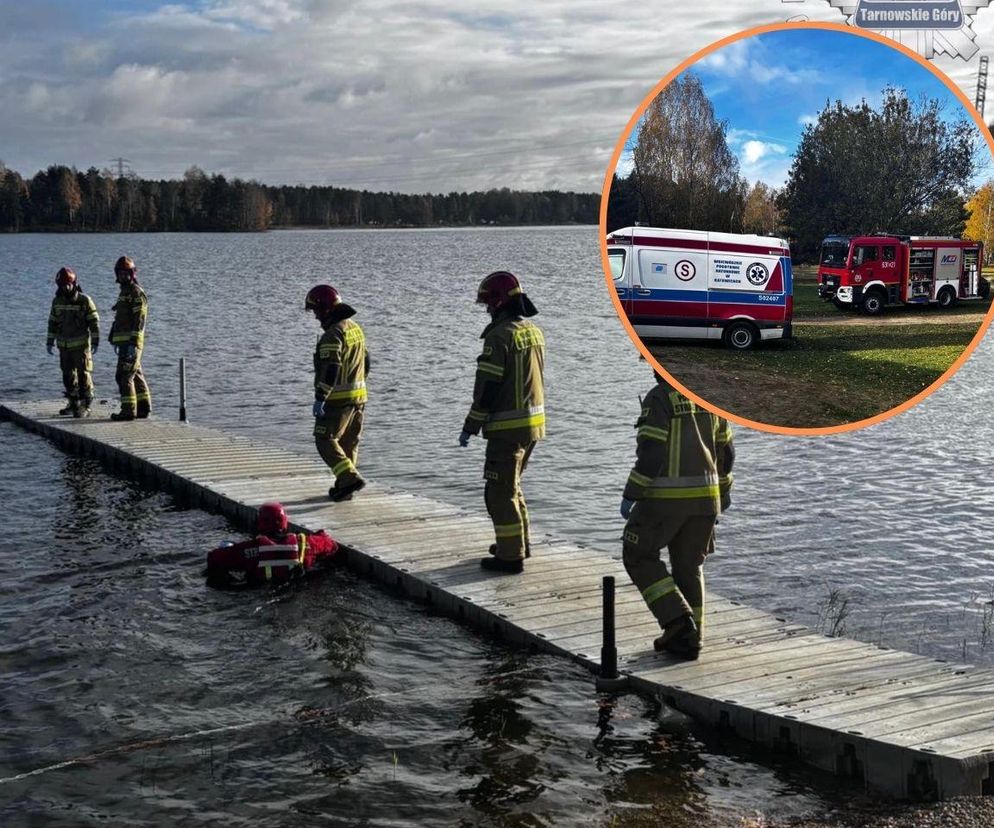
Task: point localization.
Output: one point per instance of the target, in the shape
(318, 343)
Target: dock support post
(182, 389)
(608, 678)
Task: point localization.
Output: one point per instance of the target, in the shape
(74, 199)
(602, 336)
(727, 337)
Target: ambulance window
(617, 260)
(889, 252)
(864, 254)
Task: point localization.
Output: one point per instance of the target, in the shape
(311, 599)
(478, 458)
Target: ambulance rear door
(750, 278)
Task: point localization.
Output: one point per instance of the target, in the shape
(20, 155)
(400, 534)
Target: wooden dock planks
(899, 723)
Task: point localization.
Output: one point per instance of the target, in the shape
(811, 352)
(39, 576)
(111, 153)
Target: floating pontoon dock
(898, 723)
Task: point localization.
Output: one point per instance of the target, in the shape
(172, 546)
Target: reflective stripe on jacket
(130, 313)
(340, 365)
(73, 321)
(509, 393)
(684, 456)
(265, 559)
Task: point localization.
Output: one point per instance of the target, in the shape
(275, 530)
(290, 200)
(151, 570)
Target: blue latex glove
(50, 349)
(94, 344)
(626, 507)
(117, 350)
(318, 408)
(130, 352)
(464, 438)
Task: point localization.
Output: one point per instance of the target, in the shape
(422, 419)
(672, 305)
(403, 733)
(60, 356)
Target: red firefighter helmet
(497, 289)
(271, 519)
(66, 278)
(322, 299)
(502, 289)
(125, 266)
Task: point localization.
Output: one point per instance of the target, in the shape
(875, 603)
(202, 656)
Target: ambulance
(696, 284)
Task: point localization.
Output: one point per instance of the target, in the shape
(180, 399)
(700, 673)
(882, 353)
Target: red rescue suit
(265, 559)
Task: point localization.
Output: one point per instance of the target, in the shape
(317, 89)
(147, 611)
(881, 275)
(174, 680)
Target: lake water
(337, 702)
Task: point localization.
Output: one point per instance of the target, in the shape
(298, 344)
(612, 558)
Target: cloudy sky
(405, 95)
(768, 88)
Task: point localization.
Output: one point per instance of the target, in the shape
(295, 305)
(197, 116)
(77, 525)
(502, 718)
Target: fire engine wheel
(946, 297)
(873, 303)
(740, 336)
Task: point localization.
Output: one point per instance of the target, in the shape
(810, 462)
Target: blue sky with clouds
(769, 87)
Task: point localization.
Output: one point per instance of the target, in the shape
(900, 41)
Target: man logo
(949, 258)
(757, 274)
(930, 27)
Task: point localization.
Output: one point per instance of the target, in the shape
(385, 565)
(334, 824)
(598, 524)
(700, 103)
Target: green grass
(827, 375)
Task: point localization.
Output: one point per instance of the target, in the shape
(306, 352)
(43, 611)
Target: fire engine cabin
(870, 272)
(694, 284)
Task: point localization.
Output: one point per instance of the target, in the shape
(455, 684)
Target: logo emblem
(685, 270)
(757, 274)
(930, 27)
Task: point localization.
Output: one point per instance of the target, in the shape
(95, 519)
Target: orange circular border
(606, 191)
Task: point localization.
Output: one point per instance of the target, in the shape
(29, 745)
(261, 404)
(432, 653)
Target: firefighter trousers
(689, 539)
(505, 462)
(132, 385)
(77, 374)
(336, 436)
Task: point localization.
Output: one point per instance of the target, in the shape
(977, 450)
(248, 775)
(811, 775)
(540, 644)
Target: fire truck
(870, 272)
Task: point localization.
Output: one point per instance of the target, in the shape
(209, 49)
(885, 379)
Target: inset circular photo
(796, 227)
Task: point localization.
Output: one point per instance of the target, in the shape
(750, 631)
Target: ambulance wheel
(740, 336)
(873, 303)
(983, 288)
(946, 297)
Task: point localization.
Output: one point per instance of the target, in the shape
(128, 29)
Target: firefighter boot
(144, 409)
(528, 549)
(69, 409)
(503, 565)
(680, 638)
(339, 493)
(123, 415)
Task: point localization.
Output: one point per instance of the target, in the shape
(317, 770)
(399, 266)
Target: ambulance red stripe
(700, 244)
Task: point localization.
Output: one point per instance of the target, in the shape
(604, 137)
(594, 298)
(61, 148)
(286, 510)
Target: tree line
(63, 199)
(901, 167)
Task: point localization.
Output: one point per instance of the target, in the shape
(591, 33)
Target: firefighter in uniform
(681, 481)
(509, 406)
(127, 335)
(74, 326)
(341, 364)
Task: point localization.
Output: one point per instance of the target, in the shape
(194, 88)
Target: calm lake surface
(336, 702)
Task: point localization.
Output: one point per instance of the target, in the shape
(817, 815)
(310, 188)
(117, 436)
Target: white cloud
(807, 120)
(753, 151)
(749, 59)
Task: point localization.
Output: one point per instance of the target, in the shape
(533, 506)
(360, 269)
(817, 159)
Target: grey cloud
(383, 94)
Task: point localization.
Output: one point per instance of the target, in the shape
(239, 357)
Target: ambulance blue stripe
(714, 297)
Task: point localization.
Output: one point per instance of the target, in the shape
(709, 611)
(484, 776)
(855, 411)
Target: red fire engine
(870, 272)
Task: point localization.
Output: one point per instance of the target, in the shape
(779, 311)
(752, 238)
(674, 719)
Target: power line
(981, 85)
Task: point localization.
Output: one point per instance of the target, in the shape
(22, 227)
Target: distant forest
(64, 199)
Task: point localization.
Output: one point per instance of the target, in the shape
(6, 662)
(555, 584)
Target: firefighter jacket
(509, 393)
(340, 365)
(684, 456)
(130, 313)
(264, 559)
(73, 321)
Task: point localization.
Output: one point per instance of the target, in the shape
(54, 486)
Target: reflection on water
(335, 698)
